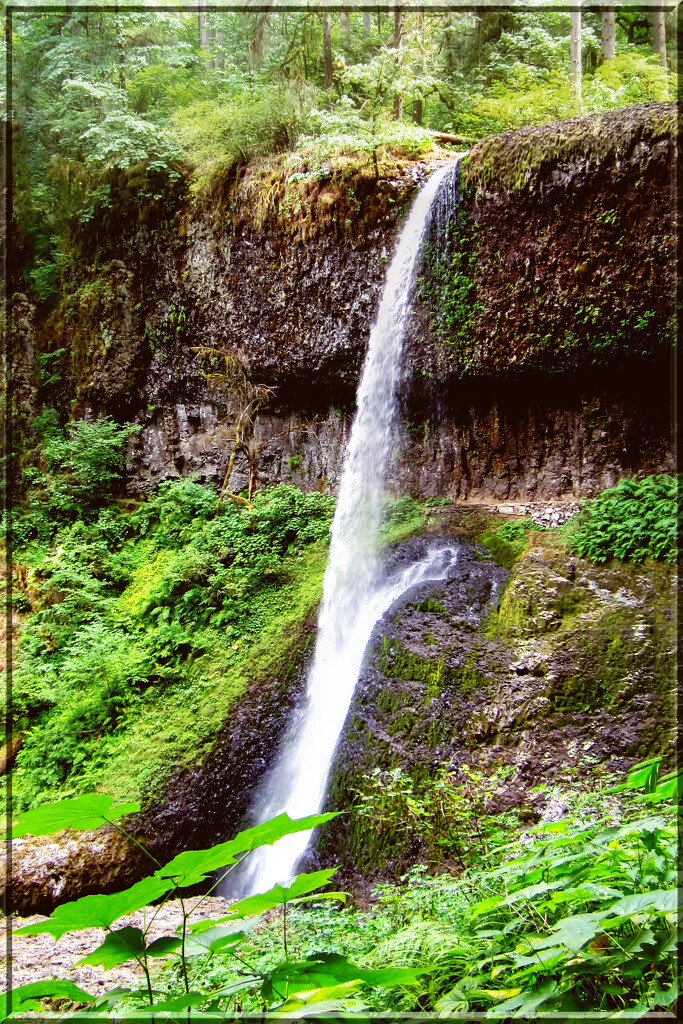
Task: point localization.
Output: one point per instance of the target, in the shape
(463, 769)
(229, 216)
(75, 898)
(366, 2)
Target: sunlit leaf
(213, 940)
(662, 900)
(275, 897)
(84, 812)
(193, 866)
(98, 911)
(326, 970)
(20, 997)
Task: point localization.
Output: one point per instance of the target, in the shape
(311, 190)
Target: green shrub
(238, 128)
(632, 521)
(572, 916)
(82, 470)
(125, 605)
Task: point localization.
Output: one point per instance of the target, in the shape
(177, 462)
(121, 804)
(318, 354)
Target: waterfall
(354, 596)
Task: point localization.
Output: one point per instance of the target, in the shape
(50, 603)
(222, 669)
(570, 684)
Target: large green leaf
(193, 866)
(662, 900)
(529, 891)
(524, 1003)
(164, 946)
(118, 947)
(275, 897)
(214, 940)
(89, 811)
(574, 932)
(327, 970)
(24, 995)
(321, 1000)
(99, 911)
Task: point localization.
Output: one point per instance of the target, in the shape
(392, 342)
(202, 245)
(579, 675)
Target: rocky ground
(39, 957)
(554, 671)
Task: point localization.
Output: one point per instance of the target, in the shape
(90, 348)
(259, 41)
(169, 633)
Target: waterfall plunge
(354, 599)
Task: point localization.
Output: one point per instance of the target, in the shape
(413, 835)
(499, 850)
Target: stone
(58, 868)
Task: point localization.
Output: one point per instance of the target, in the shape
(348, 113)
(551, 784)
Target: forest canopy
(97, 90)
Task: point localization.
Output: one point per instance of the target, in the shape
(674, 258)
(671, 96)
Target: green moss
(396, 662)
(430, 605)
(449, 286)
(508, 162)
(172, 733)
(507, 546)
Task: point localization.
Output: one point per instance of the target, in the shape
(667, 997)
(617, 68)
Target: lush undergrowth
(571, 915)
(145, 621)
(577, 914)
(635, 520)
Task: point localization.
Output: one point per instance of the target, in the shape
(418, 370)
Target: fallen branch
(454, 140)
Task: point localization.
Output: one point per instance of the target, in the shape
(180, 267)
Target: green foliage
(637, 519)
(82, 468)
(298, 981)
(576, 915)
(115, 107)
(447, 814)
(242, 127)
(344, 131)
(583, 918)
(508, 542)
(148, 611)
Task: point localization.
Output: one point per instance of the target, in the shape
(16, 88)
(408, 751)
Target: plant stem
(182, 949)
(143, 964)
(134, 840)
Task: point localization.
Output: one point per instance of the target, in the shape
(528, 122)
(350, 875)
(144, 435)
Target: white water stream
(355, 596)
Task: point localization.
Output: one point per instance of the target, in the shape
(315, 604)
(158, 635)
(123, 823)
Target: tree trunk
(219, 59)
(121, 56)
(202, 25)
(398, 39)
(327, 50)
(366, 23)
(659, 36)
(345, 26)
(255, 55)
(576, 55)
(608, 33)
(417, 112)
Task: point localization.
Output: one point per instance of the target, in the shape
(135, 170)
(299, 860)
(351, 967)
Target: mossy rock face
(559, 255)
(530, 157)
(570, 668)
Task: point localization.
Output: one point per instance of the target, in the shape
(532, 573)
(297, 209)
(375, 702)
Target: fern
(632, 521)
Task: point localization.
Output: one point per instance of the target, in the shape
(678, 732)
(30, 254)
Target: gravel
(40, 957)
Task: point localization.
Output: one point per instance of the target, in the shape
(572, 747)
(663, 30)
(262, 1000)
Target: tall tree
(328, 70)
(398, 40)
(202, 25)
(256, 40)
(575, 54)
(608, 33)
(345, 26)
(659, 35)
(366, 23)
